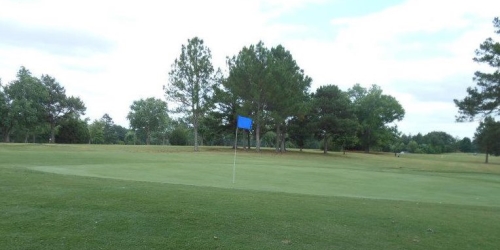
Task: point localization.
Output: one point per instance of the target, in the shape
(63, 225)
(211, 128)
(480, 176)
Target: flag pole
(235, 146)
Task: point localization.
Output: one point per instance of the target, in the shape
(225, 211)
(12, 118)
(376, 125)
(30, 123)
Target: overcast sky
(110, 53)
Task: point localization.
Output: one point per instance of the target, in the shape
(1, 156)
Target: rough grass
(171, 198)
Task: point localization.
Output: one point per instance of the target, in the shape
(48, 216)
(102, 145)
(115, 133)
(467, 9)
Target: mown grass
(291, 201)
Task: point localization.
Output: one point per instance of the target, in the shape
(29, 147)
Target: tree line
(263, 83)
(267, 85)
(436, 142)
(30, 106)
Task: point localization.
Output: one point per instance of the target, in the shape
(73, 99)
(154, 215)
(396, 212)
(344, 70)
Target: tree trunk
(325, 145)
(283, 138)
(257, 137)
(248, 139)
(282, 145)
(257, 127)
(6, 137)
(148, 136)
(367, 141)
(52, 133)
(487, 153)
(196, 137)
(26, 137)
(278, 140)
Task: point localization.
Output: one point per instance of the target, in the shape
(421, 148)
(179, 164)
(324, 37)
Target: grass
(137, 197)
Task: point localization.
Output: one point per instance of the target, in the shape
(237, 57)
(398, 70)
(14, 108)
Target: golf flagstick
(235, 146)
(243, 123)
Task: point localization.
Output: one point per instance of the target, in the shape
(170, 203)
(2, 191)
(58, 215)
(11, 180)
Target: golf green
(425, 178)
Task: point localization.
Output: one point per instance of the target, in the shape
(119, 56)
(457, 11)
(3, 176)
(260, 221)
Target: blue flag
(244, 122)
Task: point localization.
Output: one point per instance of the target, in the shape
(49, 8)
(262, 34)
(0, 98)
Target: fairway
(293, 200)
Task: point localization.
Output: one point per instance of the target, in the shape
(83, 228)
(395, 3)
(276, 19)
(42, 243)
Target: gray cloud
(52, 40)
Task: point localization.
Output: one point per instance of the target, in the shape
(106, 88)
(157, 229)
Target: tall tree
(149, 115)
(287, 92)
(180, 132)
(222, 119)
(484, 99)
(333, 116)
(96, 132)
(375, 111)
(29, 103)
(58, 106)
(120, 132)
(192, 82)
(73, 131)
(110, 135)
(300, 126)
(25, 97)
(7, 120)
(249, 81)
(299, 129)
(486, 137)
(212, 128)
(465, 145)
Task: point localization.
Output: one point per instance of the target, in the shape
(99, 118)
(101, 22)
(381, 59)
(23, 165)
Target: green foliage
(73, 131)
(192, 82)
(120, 132)
(96, 132)
(269, 86)
(222, 120)
(57, 105)
(436, 142)
(299, 129)
(6, 123)
(487, 137)
(412, 146)
(109, 132)
(288, 91)
(148, 115)
(179, 136)
(28, 103)
(333, 117)
(130, 138)
(375, 111)
(112, 133)
(465, 145)
(22, 108)
(249, 82)
(269, 139)
(440, 142)
(485, 97)
(212, 129)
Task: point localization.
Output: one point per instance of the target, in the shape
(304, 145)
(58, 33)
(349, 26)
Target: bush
(179, 137)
